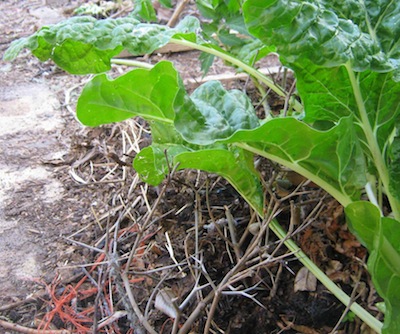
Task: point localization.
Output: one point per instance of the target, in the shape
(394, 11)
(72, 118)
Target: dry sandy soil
(32, 203)
(62, 187)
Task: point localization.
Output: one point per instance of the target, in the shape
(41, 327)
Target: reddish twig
(62, 305)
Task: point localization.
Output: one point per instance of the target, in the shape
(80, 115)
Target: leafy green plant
(344, 135)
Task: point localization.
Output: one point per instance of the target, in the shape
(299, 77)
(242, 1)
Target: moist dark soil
(87, 247)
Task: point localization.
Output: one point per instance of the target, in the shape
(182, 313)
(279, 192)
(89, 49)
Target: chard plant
(343, 135)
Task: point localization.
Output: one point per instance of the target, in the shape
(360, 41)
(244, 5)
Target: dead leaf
(165, 302)
(305, 281)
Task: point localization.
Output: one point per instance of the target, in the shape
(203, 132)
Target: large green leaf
(321, 32)
(380, 235)
(83, 45)
(333, 159)
(380, 19)
(346, 58)
(141, 92)
(347, 63)
(330, 100)
(155, 95)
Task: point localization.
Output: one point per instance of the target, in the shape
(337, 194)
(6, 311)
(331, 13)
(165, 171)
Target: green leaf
(147, 93)
(166, 3)
(213, 113)
(74, 55)
(143, 9)
(377, 18)
(151, 162)
(319, 31)
(209, 8)
(380, 235)
(206, 60)
(346, 63)
(229, 39)
(330, 100)
(234, 164)
(333, 159)
(155, 99)
(82, 45)
(251, 51)
(394, 166)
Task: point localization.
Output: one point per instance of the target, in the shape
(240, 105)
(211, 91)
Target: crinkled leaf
(379, 18)
(214, 113)
(380, 235)
(74, 56)
(83, 45)
(159, 92)
(346, 60)
(147, 93)
(319, 31)
(333, 159)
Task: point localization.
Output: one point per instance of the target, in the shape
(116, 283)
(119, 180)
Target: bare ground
(68, 198)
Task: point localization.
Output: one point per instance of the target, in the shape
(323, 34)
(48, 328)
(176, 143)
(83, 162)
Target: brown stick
(27, 330)
(175, 16)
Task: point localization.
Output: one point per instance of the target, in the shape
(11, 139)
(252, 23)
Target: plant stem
(373, 143)
(343, 199)
(130, 62)
(365, 316)
(247, 68)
